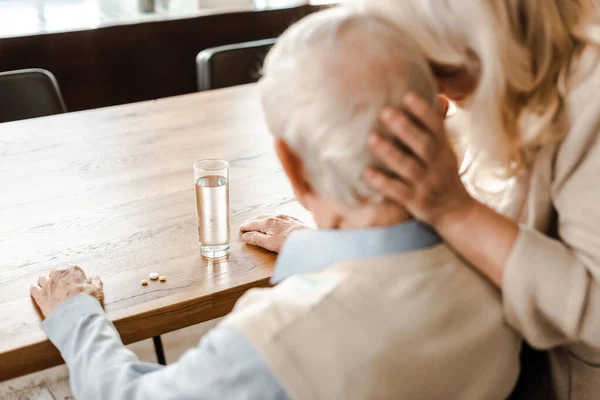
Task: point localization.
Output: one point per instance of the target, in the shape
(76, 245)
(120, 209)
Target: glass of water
(211, 179)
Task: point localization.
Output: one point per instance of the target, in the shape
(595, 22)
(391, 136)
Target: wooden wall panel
(136, 62)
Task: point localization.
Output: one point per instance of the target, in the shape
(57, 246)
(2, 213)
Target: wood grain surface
(112, 190)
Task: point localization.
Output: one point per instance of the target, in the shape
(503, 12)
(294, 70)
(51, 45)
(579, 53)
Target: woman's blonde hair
(524, 49)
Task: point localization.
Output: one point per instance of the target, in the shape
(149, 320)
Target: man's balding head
(324, 84)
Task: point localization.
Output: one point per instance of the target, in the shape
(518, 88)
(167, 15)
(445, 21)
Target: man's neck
(365, 216)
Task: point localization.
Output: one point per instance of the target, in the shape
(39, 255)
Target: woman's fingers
(419, 141)
(420, 128)
(402, 164)
(444, 104)
(427, 115)
(271, 243)
(391, 188)
(426, 182)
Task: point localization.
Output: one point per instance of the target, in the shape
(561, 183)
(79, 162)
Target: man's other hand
(270, 232)
(62, 284)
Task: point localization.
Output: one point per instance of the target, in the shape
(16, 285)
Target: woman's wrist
(480, 235)
(460, 214)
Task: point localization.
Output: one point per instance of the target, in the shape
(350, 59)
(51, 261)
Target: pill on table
(144, 282)
(162, 278)
(153, 275)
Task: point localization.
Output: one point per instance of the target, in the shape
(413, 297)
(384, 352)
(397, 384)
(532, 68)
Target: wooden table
(112, 190)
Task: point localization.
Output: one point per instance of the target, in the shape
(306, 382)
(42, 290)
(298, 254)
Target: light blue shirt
(224, 365)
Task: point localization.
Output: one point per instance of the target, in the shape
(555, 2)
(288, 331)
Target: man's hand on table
(270, 232)
(62, 284)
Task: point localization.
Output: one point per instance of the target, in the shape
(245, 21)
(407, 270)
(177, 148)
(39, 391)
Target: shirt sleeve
(223, 366)
(551, 287)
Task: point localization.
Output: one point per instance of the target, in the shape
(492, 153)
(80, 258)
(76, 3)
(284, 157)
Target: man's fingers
(256, 224)
(35, 292)
(286, 217)
(42, 281)
(96, 281)
(56, 271)
(270, 243)
(77, 271)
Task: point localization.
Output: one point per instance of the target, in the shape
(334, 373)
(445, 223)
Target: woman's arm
(480, 235)
(550, 287)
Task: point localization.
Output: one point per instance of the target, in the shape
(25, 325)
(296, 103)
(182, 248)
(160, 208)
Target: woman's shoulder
(581, 100)
(581, 81)
(582, 78)
(578, 122)
(582, 111)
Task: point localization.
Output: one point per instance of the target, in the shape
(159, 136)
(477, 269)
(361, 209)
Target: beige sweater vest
(416, 325)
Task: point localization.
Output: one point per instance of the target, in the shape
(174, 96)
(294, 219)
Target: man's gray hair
(325, 82)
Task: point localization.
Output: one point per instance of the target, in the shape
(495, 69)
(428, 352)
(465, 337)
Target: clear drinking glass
(211, 179)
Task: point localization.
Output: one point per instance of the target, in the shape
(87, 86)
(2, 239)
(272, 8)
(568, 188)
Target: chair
(29, 93)
(231, 65)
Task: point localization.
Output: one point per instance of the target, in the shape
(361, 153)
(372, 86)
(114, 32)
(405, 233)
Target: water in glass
(212, 203)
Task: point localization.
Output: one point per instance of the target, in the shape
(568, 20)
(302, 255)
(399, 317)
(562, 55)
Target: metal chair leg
(160, 352)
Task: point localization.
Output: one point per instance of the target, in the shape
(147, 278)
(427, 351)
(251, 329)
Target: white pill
(153, 275)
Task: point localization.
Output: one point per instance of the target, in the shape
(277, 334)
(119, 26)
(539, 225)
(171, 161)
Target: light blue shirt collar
(311, 250)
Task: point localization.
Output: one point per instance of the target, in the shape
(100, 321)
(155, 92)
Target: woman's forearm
(481, 236)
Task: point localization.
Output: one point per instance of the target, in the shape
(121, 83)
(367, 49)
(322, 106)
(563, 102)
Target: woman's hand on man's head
(427, 182)
(270, 232)
(60, 285)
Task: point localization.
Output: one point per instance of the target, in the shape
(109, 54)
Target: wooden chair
(29, 93)
(231, 65)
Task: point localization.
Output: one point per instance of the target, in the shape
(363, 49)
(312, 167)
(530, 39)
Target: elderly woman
(525, 213)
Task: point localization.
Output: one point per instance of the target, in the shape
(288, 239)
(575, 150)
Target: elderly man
(370, 306)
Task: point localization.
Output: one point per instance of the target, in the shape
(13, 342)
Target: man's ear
(294, 169)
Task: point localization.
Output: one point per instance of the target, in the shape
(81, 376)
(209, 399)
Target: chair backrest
(29, 93)
(231, 65)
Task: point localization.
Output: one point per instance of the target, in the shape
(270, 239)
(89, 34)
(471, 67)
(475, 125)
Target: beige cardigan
(551, 285)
